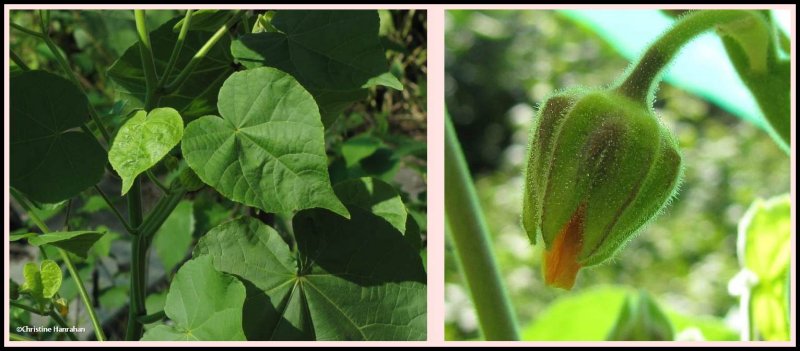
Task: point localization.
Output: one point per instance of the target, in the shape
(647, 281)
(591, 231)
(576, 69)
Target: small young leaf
(764, 246)
(267, 150)
(50, 161)
(62, 306)
(78, 242)
(51, 278)
(33, 281)
(42, 284)
(333, 54)
(143, 141)
(203, 304)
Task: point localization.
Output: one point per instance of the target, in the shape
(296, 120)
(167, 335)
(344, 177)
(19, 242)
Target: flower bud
(600, 166)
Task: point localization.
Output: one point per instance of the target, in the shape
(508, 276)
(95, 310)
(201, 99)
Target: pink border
(435, 175)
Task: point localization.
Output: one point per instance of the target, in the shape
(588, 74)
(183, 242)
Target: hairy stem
(186, 71)
(473, 245)
(68, 261)
(176, 51)
(640, 81)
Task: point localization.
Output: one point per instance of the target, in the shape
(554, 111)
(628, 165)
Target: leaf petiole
(175, 84)
(176, 51)
(122, 220)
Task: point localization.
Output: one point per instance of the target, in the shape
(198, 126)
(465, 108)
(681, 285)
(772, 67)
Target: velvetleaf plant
(602, 165)
(244, 108)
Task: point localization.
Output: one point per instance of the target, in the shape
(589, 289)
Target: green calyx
(601, 165)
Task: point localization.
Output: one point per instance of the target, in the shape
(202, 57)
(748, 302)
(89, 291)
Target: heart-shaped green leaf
(203, 304)
(334, 54)
(143, 141)
(78, 242)
(352, 279)
(268, 149)
(198, 95)
(50, 160)
(41, 284)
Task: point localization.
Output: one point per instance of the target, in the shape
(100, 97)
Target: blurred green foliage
(499, 65)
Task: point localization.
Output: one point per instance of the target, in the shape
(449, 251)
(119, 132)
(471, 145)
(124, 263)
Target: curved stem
(18, 61)
(158, 183)
(640, 81)
(23, 306)
(68, 261)
(122, 220)
(473, 245)
(175, 84)
(146, 53)
(176, 51)
(26, 30)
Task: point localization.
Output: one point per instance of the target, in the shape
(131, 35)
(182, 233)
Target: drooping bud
(600, 166)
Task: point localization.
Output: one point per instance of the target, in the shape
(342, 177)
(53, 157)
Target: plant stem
(158, 183)
(18, 61)
(246, 24)
(138, 250)
(640, 82)
(65, 66)
(152, 318)
(474, 246)
(176, 51)
(148, 64)
(122, 220)
(159, 214)
(26, 30)
(189, 68)
(68, 261)
(23, 306)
